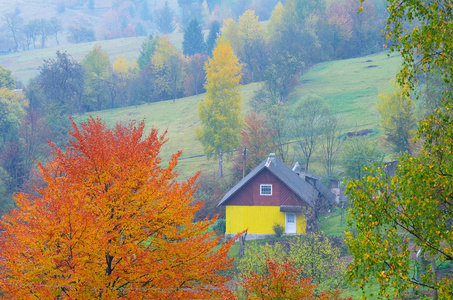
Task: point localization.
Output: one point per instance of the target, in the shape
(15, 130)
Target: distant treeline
(298, 35)
(79, 21)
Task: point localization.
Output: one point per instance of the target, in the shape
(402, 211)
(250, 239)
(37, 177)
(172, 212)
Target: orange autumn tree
(110, 223)
(282, 280)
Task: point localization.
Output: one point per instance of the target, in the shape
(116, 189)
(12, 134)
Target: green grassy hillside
(25, 64)
(180, 119)
(349, 86)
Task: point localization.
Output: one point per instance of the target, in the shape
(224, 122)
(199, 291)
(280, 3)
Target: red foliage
(111, 223)
(283, 281)
(118, 23)
(257, 138)
(196, 76)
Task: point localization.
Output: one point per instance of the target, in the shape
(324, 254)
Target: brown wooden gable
(249, 193)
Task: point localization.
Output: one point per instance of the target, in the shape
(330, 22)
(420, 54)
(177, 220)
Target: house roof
(303, 173)
(298, 185)
(325, 192)
(297, 168)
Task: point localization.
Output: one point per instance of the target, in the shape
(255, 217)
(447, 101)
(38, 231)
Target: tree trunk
(242, 244)
(245, 162)
(220, 164)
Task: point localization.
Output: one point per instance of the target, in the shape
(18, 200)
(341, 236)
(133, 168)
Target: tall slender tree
(164, 19)
(309, 115)
(398, 118)
(55, 28)
(214, 31)
(193, 39)
(330, 143)
(220, 112)
(168, 70)
(13, 23)
(146, 51)
(98, 70)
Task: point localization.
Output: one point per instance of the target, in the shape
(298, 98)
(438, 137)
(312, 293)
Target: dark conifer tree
(214, 31)
(145, 14)
(193, 39)
(164, 19)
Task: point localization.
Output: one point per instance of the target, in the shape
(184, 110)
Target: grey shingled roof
(326, 192)
(297, 168)
(299, 186)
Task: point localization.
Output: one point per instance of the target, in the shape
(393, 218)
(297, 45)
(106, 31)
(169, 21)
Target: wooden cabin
(270, 194)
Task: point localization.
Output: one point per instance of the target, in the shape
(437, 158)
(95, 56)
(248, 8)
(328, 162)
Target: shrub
(220, 225)
(278, 229)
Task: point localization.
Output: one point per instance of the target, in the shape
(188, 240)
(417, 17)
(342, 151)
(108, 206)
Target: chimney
(270, 159)
(296, 168)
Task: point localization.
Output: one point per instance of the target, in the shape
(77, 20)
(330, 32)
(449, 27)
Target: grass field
(350, 87)
(25, 65)
(179, 118)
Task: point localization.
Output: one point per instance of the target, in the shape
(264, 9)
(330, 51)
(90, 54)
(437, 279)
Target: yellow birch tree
(220, 112)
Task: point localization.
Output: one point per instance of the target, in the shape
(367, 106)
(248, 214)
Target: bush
(220, 225)
(278, 229)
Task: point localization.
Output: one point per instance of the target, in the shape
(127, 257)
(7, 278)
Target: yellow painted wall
(258, 219)
(301, 223)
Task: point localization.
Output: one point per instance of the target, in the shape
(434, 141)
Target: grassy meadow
(350, 87)
(25, 65)
(179, 119)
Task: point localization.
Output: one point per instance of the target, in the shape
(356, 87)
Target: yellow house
(270, 194)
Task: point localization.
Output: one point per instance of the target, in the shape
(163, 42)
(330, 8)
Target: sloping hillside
(349, 86)
(25, 65)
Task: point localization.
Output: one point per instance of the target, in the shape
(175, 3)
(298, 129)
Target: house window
(266, 189)
(290, 218)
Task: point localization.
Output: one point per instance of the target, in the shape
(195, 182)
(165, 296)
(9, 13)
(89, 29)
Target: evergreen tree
(193, 39)
(214, 31)
(164, 19)
(147, 51)
(144, 11)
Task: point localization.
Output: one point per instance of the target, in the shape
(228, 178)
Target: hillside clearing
(350, 87)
